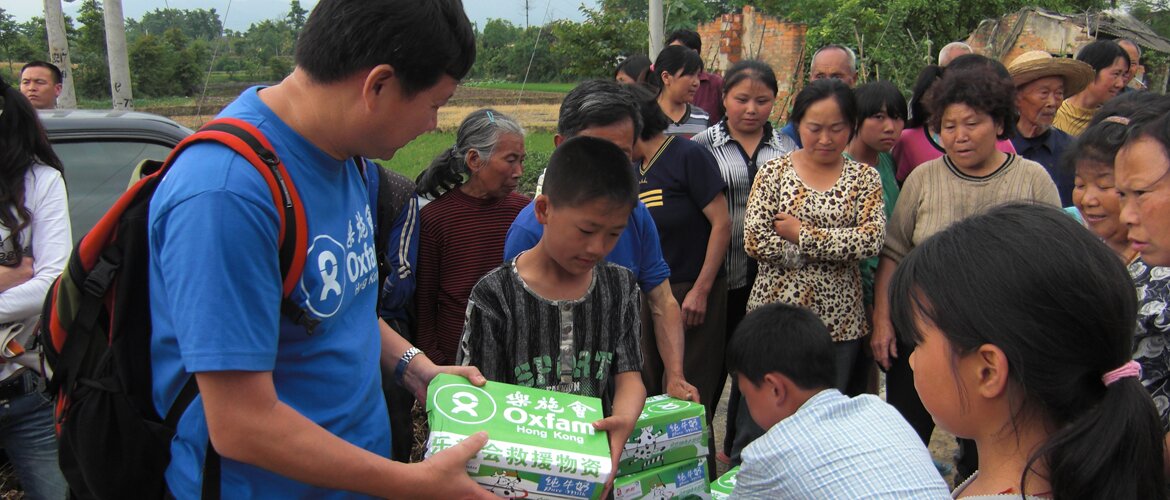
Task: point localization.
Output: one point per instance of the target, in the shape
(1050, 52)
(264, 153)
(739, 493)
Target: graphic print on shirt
(336, 270)
(574, 378)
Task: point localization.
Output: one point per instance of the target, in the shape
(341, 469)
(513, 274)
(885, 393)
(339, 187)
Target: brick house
(1062, 35)
(752, 35)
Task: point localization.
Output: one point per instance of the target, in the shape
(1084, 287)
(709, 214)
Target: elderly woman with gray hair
(462, 231)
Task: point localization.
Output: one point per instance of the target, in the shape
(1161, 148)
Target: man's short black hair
(784, 339)
(597, 103)
(584, 169)
(688, 38)
(421, 39)
(57, 76)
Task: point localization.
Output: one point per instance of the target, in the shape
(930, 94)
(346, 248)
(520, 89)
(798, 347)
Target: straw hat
(1033, 65)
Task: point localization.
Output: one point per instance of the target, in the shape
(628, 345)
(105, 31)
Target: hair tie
(1120, 120)
(491, 117)
(1130, 369)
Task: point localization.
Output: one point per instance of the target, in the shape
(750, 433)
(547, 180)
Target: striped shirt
(835, 446)
(515, 336)
(739, 171)
(461, 239)
(937, 194)
(693, 122)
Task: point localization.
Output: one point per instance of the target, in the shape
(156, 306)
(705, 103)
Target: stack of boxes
(542, 443)
(666, 455)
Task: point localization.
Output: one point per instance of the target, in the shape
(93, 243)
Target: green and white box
(668, 430)
(542, 444)
(686, 479)
(721, 489)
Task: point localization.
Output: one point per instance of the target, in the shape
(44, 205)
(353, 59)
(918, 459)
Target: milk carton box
(722, 487)
(668, 430)
(686, 479)
(542, 443)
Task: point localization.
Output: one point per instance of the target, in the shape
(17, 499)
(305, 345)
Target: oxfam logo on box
(668, 406)
(727, 481)
(464, 403)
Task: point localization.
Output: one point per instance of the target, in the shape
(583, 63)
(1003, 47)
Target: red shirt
(710, 96)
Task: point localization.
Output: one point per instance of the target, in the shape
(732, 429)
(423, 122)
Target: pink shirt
(915, 147)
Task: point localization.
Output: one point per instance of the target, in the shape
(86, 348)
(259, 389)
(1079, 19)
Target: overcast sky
(245, 12)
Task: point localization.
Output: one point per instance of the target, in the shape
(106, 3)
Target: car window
(97, 172)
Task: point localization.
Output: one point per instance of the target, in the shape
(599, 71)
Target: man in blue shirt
(603, 109)
(830, 61)
(295, 415)
(1041, 82)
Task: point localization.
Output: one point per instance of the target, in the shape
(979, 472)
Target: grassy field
(532, 86)
(415, 157)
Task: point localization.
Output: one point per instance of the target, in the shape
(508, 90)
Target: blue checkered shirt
(836, 447)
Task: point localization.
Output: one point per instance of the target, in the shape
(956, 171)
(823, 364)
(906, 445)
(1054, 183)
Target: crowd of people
(678, 237)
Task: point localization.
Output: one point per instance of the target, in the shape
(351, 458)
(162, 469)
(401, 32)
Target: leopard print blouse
(839, 228)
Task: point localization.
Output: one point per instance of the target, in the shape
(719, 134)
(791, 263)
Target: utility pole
(656, 28)
(119, 60)
(59, 52)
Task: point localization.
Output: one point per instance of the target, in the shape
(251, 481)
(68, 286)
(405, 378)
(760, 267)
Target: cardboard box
(721, 489)
(687, 479)
(668, 431)
(542, 444)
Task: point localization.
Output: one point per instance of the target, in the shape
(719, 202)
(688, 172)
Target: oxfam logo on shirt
(668, 406)
(323, 279)
(464, 403)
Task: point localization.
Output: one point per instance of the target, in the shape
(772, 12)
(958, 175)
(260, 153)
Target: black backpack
(96, 331)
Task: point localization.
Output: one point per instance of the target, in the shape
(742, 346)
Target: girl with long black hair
(35, 241)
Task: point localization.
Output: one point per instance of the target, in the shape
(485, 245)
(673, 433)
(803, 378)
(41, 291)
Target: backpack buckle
(100, 277)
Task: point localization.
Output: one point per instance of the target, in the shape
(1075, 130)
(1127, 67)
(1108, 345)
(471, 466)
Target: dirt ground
(534, 110)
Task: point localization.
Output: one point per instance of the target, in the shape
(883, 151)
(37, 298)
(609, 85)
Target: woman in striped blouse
(741, 142)
(461, 233)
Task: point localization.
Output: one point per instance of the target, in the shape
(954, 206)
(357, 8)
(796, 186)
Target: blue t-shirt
(215, 298)
(637, 249)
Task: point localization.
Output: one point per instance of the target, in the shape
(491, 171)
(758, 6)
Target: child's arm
(628, 398)
(484, 328)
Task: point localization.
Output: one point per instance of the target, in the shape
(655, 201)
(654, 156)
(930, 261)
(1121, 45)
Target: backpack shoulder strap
(292, 237)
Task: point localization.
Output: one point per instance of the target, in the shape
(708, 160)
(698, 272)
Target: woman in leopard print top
(813, 216)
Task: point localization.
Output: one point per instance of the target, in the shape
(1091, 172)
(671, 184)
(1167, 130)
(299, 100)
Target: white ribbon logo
(327, 263)
(465, 402)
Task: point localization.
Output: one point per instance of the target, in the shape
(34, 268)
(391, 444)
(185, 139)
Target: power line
(214, 54)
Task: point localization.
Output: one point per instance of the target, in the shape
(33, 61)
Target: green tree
(92, 75)
(9, 35)
(591, 48)
(295, 19)
(199, 24)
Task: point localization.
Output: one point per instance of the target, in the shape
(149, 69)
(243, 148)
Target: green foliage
(198, 24)
(88, 53)
(896, 38)
(504, 52)
(591, 48)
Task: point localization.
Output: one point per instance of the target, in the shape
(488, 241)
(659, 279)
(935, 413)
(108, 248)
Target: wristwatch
(404, 361)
